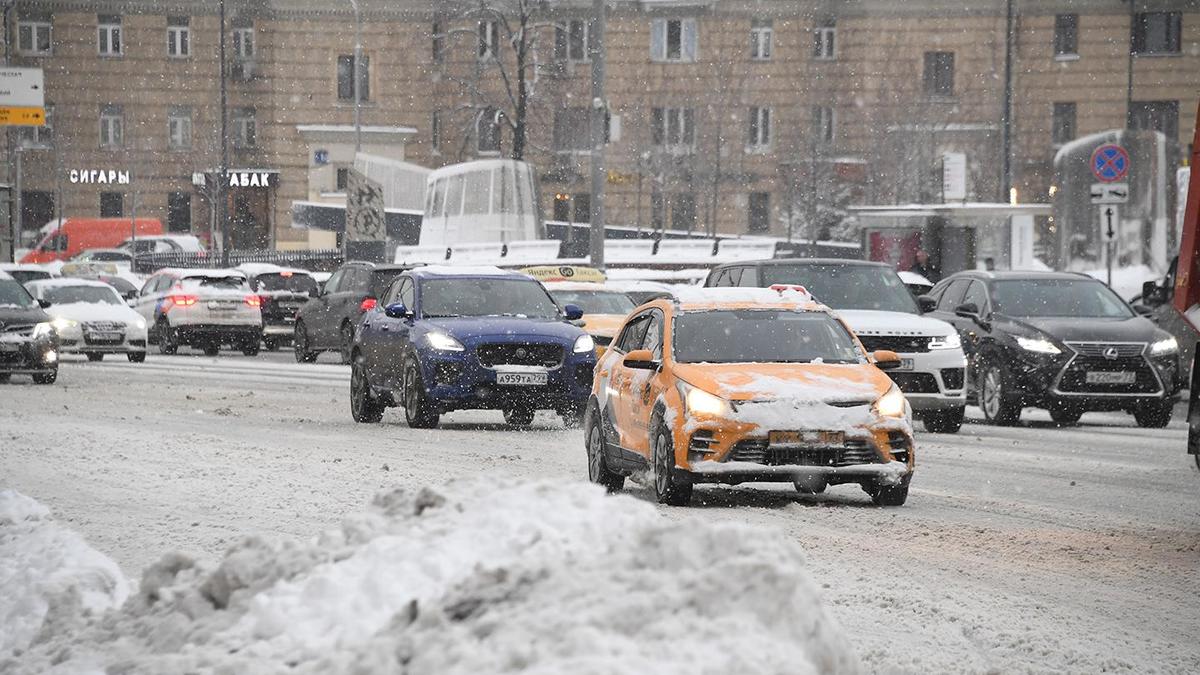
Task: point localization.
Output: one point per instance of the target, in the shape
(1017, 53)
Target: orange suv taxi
(728, 385)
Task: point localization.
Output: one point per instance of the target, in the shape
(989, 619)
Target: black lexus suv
(1060, 341)
(28, 343)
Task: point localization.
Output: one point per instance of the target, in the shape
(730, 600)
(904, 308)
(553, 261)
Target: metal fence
(323, 260)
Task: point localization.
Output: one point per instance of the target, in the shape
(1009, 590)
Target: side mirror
(572, 313)
(927, 303)
(640, 359)
(1154, 294)
(397, 310)
(43, 303)
(886, 360)
(1143, 310)
(967, 310)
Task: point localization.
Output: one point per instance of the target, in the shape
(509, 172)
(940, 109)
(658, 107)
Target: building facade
(724, 116)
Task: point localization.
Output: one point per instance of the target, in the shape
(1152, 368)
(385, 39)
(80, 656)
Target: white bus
(492, 200)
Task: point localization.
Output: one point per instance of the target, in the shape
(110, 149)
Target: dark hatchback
(282, 293)
(28, 343)
(1060, 341)
(327, 322)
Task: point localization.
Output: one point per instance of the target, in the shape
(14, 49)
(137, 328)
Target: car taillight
(183, 300)
(254, 301)
(368, 304)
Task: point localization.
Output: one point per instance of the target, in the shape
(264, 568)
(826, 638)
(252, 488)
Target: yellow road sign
(26, 117)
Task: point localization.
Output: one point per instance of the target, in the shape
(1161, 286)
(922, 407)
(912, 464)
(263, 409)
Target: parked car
(124, 287)
(327, 322)
(23, 273)
(604, 309)
(90, 318)
(283, 291)
(74, 235)
(28, 343)
(445, 338)
(1060, 341)
(107, 255)
(163, 243)
(734, 385)
(201, 308)
(877, 306)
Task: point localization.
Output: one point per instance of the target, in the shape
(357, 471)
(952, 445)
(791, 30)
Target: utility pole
(356, 73)
(223, 171)
(14, 191)
(1129, 76)
(1010, 34)
(599, 113)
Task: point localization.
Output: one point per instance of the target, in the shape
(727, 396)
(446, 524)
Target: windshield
(485, 297)
(28, 275)
(14, 294)
(65, 295)
(595, 302)
(284, 281)
(225, 283)
(1057, 297)
(846, 286)
(103, 256)
(762, 336)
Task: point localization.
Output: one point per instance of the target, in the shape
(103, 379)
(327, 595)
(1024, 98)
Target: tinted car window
(334, 281)
(406, 292)
(761, 336)
(845, 286)
(653, 339)
(634, 332)
(976, 295)
(953, 294)
(595, 302)
(750, 277)
(464, 296)
(1057, 297)
(381, 279)
(284, 281)
(14, 294)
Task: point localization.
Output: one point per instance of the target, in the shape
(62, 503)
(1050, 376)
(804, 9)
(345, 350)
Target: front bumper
(457, 380)
(1051, 380)
(29, 356)
(937, 380)
(114, 339)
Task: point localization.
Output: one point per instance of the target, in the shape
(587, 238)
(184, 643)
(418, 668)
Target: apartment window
(108, 34)
(39, 137)
(573, 41)
(1157, 32)
(673, 40)
(245, 131)
(1066, 34)
(1156, 116)
(487, 131)
(939, 73)
(759, 128)
(760, 212)
(489, 39)
(825, 41)
(435, 131)
(762, 39)
(824, 125)
(112, 126)
(345, 78)
(243, 40)
(683, 211)
(179, 212)
(341, 178)
(1063, 128)
(673, 127)
(112, 204)
(179, 127)
(179, 37)
(33, 36)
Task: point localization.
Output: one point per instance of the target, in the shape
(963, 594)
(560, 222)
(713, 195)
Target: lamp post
(223, 173)
(355, 74)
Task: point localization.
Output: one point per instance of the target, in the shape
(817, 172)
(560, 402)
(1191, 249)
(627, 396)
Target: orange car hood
(605, 325)
(770, 381)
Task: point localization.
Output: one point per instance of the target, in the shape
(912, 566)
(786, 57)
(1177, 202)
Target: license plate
(1111, 377)
(905, 364)
(106, 336)
(217, 304)
(522, 379)
(810, 438)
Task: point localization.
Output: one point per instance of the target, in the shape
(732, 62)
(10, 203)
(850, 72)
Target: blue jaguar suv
(455, 338)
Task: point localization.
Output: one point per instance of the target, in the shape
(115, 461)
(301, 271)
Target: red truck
(1187, 285)
(74, 235)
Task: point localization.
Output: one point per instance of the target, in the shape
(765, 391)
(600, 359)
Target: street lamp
(354, 75)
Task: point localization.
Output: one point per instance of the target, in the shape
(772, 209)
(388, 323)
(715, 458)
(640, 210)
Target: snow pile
(472, 578)
(49, 577)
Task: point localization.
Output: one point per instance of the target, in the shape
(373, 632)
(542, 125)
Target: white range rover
(877, 306)
(201, 308)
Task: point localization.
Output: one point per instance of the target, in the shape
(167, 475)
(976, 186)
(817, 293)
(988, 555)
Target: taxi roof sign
(565, 273)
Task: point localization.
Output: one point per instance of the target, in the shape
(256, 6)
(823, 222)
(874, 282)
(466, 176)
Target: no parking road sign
(1110, 163)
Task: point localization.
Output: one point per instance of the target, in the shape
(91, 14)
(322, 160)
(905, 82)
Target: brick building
(730, 116)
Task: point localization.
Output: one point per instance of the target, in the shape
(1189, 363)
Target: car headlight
(1164, 346)
(1039, 345)
(60, 324)
(443, 342)
(701, 402)
(584, 344)
(42, 329)
(891, 404)
(140, 323)
(951, 341)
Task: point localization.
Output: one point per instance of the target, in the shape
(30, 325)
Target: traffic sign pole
(1110, 229)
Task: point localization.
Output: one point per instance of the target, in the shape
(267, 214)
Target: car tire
(520, 416)
(1154, 415)
(137, 357)
(271, 344)
(46, 378)
(598, 471)
(943, 421)
(168, 338)
(889, 495)
(347, 337)
(212, 350)
(94, 356)
(1065, 415)
(250, 348)
(364, 408)
(668, 487)
(300, 344)
(998, 407)
(418, 412)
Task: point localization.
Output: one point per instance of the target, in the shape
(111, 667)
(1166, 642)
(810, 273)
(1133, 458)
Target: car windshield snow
(1057, 298)
(215, 283)
(762, 336)
(847, 286)
(595, 302)
(66, 295)
(485, 297)
(13, 294)
(284, 281)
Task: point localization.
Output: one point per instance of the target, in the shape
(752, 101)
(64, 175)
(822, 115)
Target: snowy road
(1029, 548)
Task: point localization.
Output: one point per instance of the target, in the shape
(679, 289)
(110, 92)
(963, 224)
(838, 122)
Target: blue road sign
(1110, 163)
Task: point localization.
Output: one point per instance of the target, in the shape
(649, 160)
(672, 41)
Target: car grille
(901, 344)
(952, 378)
(1120, 350)
(19, 329)
(517, 354)
(760, 452)
(915, 383)
(105, 326)
(1074, 377)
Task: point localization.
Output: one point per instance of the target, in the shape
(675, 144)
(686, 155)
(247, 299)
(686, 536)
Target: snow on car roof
(789, 296)
(913, 278)
(5, 275)
(65, 282)
(202, 272)
(255, 269)
(467, 271)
